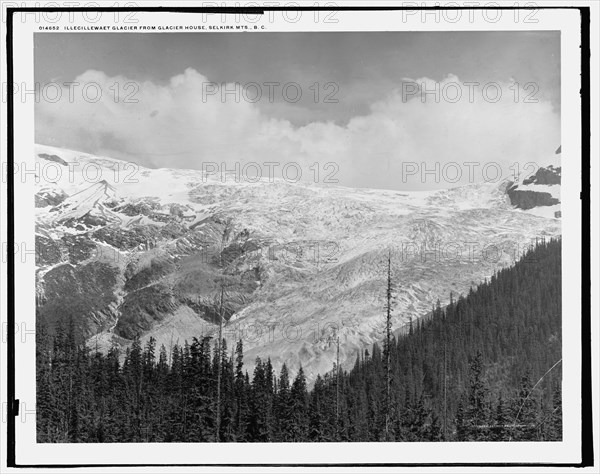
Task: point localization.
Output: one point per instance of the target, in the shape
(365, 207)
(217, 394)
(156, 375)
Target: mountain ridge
(302, 263)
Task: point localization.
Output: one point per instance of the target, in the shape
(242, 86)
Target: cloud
(180, 125)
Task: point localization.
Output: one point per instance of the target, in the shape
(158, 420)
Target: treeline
(485, 367)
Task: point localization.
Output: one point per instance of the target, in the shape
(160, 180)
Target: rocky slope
(129, 251)
(538, 193)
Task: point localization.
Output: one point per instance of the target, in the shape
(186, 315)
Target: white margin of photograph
(567, 451)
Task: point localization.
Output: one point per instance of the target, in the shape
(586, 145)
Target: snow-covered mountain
(130, 251)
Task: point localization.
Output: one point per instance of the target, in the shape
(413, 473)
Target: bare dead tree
(219, 356)
(224, 237)
(388, 341)
(337, 382)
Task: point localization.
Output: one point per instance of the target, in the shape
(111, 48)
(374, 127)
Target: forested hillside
(485, 367)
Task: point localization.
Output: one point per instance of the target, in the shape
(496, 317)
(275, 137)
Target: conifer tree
(283, 406)
(299, 402)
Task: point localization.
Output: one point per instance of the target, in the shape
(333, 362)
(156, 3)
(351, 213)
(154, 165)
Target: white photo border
(30, 453)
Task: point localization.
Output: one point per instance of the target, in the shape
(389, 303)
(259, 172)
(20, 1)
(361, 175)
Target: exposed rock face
(86, 293)
(49, 197)
(549, 175)
(542, 189)
(298, 265)
(54, 158)
(530, 199)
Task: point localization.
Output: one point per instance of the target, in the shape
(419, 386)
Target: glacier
(128, 251)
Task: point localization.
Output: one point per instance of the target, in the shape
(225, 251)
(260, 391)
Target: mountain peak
(86, 203)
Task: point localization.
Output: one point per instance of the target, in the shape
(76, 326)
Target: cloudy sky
(157, 99)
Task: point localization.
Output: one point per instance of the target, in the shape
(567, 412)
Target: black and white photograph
(232, 228)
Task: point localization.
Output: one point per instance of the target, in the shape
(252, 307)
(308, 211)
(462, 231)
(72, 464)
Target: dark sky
(365, 65)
